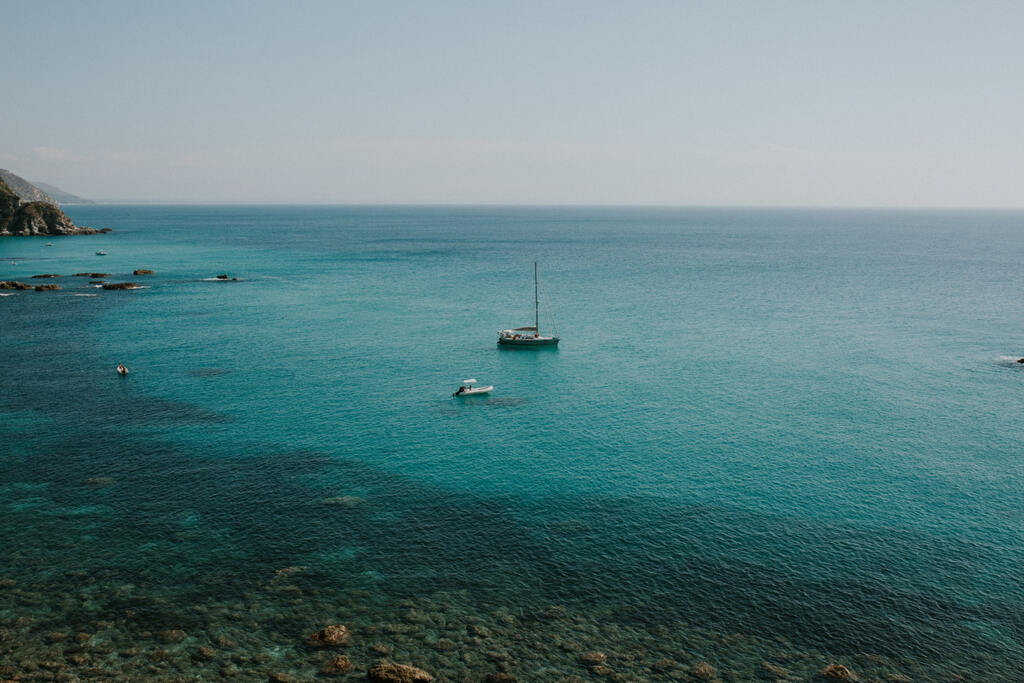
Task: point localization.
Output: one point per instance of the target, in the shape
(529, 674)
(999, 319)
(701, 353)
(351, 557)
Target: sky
(760, 103)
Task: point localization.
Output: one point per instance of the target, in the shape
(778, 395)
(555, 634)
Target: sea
(770, 442)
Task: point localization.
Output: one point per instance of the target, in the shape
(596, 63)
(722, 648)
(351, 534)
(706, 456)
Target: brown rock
(594, 658)
(386, 671)
(175, 635)
(205, 654)
(665, 665)
(837, 672)
(226, 642)
(703, 671)
(92, 275)
(479, 631)
(46, 288)
(142, 271)
(36, 277)
(13, 284)
(335, 634)
(337, 666)
(120, 285)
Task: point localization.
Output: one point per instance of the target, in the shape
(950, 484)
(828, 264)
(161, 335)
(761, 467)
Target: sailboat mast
(536, 301)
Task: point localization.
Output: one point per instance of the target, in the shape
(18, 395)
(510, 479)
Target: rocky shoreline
(35, 218)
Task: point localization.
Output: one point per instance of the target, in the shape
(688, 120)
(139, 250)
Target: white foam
(85, 295)
(7, 293)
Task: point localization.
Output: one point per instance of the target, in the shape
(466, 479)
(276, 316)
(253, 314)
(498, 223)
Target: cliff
(34, 217)
(26, 191)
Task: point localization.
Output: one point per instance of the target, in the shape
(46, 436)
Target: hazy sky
(757, 103)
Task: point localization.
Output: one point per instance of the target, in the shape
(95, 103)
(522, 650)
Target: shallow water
(768, 437)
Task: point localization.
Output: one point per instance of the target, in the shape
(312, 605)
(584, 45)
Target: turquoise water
(783, 437)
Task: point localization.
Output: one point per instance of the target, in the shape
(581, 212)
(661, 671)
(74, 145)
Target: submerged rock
(171, 636)
(343, 501)
(46, 288)
(205, 654)
(769, 670)
(335, 634)
(837, 672)
(142, 271)
(36, 277)
(337, 666)
(92, 275)
(386, 671)
(703, 671)
(120, 285)
(663, 665)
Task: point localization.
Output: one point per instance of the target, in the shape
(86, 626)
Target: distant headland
(26, 210)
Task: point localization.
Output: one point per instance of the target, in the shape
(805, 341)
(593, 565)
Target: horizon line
(875, 207)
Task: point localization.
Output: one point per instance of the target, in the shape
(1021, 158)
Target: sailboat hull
(528, 341)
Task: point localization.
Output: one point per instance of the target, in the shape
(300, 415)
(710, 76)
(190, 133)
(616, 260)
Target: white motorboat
(467, 388)
(101, 253)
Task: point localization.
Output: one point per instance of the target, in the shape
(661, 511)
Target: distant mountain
(26, 191)
(60, 195)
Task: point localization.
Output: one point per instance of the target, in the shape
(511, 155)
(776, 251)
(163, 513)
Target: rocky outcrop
(26, 191)
(120, 285)
(18, 217)
(92, 275)
(36, 277)
(14, 284)
(386, 671)
(142, 271)
(46, 288)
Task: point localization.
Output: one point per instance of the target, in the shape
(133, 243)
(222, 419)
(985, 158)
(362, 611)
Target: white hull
(474, 391)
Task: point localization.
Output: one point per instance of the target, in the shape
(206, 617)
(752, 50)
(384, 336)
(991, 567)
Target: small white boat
(121, 369)
(49, 244)
(467, 388)
(101, 253)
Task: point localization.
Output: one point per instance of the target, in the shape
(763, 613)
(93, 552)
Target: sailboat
(529, 336)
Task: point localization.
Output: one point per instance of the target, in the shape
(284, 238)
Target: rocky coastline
(19, 217)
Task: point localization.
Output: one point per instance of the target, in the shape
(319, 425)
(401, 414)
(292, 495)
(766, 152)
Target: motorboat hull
(475, 391)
